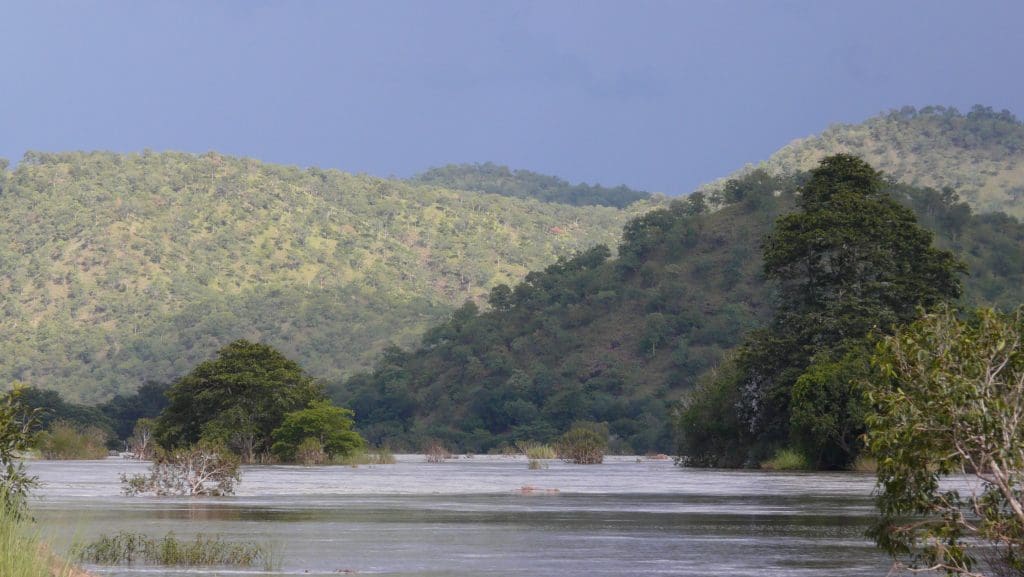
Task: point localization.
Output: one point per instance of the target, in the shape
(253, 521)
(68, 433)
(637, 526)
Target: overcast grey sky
(659, 95)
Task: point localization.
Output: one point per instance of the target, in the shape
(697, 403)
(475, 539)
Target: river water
(491, 516)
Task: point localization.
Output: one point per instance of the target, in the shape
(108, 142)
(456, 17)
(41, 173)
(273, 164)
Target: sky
(657, 95)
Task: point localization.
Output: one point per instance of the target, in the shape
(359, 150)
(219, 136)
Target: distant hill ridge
(979, 154)
(498, 179)
(121, 268)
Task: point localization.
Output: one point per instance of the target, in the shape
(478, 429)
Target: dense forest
(617, 340)
(979, 154)
(119, 269)
(497, 179)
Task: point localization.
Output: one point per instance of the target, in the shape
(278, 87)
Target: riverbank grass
(24, 554)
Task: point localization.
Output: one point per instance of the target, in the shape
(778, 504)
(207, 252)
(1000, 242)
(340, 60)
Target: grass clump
(66, 441)
(127, 548)
(382, 456)
(786, 460)
(534, 450)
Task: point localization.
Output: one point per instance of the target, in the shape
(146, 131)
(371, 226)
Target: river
(491, 516)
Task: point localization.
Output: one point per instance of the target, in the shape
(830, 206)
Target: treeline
(121, 268)
(498, 179)
(617, 341)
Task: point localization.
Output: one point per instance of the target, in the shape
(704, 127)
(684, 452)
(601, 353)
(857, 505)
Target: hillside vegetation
(497, 179)
(617, 341)
(118, 269)
(979, 154)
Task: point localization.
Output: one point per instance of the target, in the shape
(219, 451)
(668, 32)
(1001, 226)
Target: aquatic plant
(535, 450)
(126, 548)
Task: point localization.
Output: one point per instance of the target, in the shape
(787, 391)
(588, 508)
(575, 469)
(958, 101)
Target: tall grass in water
(127, 548)
(534, 450)
(381, 456)
(786, 460)
(23, 553)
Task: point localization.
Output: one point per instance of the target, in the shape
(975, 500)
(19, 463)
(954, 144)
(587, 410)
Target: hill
(979, 154)
(118, 269)
(497, 179)
(617, 341)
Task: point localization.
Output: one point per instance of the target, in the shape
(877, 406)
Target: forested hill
(979, 154)
(616, 341)
(497, 179)
(116, 269)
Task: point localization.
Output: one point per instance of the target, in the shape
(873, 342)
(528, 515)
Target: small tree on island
(950, 399)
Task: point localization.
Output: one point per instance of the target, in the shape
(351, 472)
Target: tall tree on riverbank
(849, 263)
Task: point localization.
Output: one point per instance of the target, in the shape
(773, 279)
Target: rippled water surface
(491, 516)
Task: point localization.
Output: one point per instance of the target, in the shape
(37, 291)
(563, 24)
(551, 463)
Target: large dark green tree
(239, 398)
(849, 263)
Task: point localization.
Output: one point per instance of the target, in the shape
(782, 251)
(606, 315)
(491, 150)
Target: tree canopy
(238, 398)
(849, 263)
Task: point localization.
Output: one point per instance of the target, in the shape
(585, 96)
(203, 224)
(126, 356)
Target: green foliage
(849, 263)
(127, 548)
(950, 400)
(980, 153)
(828, 409)
(16, 423)
(67, 441)
(329, 427)
(582, 445)
(496, 179)
(118, 269)
(237, 399)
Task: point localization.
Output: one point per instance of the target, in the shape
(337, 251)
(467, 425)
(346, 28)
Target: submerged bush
(127, 548)
(436, 452)
(205, 469)
(582, 446)
(67, 441)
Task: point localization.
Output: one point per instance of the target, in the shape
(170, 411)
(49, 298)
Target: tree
(950, 400)
(329, 426)
(16, 422)
(239, 398)
(849, 263)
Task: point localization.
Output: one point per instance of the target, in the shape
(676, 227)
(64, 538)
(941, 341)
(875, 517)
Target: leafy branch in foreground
(16, 422)
(951, 400)
(201, 470)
